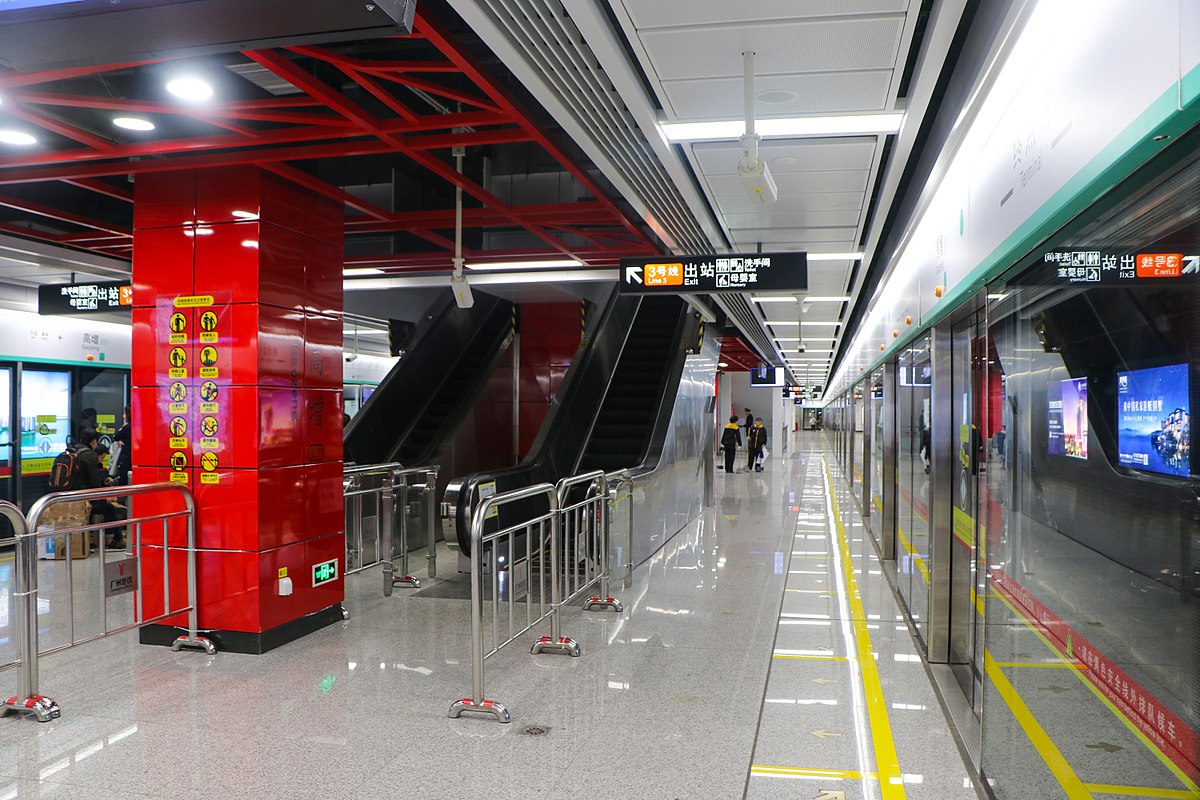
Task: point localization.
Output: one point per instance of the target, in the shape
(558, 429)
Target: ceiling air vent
(263, 78)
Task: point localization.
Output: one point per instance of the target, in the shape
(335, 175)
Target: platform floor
(761, 654)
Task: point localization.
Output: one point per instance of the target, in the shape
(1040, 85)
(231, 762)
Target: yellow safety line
(1116, 712)
(809, 772)
(810, 658)
(1066, 777)
(920, 562)
(1033, 665)
(1139, 791)
(891, 780)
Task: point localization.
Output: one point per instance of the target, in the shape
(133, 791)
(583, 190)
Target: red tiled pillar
(237, 380)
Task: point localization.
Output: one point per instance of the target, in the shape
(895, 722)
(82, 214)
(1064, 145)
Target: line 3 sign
(757, 272)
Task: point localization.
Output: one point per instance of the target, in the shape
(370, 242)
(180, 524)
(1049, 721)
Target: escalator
(421, 403)
(612, 410)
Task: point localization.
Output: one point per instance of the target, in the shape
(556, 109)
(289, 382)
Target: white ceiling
(811, 57)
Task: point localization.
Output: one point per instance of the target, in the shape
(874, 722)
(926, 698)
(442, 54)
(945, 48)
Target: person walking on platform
(756, 445)
(731, 440)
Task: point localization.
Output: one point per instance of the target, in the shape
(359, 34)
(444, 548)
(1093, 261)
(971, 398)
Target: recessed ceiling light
(190, 88)
(351, 272)
(722, 364)
(840, 125)
(133, 124)
(811, 299)
(777, 96)
(834, 256)
(507, 265)
(16, 137)
(774, 299)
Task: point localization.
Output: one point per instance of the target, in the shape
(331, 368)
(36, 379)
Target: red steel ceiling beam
(433, 31)
(583, 212)
(37, 209)
(227, 111)
(102, 187)
(10, 79)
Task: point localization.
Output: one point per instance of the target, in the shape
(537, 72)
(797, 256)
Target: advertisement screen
(1067, 418)
(1074, 417)
(1154, 420)
(765, 376)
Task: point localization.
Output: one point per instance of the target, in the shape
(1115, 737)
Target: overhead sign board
(757, 272)
(84, 298)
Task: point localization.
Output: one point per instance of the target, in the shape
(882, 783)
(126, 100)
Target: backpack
(63, 470)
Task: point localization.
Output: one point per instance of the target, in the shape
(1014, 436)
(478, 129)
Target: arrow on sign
(633, 274)
(1192, 265)
(823, 734)
(831, 794)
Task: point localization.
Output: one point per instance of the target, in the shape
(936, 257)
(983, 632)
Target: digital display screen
(325, 572)
(1154, 420)
(765, 376)
(1067, 418)
(13, 5)
(919, 375)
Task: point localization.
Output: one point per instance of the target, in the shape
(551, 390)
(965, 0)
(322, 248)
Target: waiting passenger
(756, 445)
(88, 474)
(731, 440)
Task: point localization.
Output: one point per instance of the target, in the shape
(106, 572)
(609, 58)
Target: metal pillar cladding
(592, 515)
(237, 379)
(507, 540)
(885, 522)
(30, 530)
(942, 439)
(868, 430)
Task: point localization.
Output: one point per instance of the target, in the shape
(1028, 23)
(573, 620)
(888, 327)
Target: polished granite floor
(760, 654)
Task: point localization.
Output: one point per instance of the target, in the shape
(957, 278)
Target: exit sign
(325, 572)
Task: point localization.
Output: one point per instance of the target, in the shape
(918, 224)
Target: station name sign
(757, 272)
(84, 298)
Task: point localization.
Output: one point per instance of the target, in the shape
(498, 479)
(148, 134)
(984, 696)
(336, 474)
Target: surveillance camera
(800, 347)
(350, 357)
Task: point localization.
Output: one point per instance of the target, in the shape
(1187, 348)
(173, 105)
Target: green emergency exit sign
(325, 572)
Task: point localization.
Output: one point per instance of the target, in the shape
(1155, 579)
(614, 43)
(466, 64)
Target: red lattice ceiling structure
(737, 355)
(344, 102)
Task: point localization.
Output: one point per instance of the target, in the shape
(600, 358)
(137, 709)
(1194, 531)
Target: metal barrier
(585, 528)
(391, 493)
(29, 531)
(501, 546)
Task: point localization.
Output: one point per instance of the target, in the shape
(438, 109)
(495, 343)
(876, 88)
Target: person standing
(756, 443)
(731, 440)
(749, 422)
(88, 474)
(121, 463)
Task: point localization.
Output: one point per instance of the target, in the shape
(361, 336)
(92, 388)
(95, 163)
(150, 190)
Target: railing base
(467, 705)
(41, 708)
(598, 603)
(407, 580)
(564, 645)
(199, 643)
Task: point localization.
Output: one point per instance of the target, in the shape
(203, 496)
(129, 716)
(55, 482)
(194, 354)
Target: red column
(237, 379)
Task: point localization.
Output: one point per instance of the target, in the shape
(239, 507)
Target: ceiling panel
(797, 222)
(781, 47)
(790, 183)
(799, 155)
(780, 95)
(841, 236)
(659, 13)
(795, 202)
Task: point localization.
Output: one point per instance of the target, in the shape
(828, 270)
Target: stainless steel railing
(374, 493)
(30, 530)
(585, 528)
(505, 561)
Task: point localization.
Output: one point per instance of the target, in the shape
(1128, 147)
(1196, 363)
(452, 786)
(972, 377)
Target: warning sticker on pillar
(208, 362)
(208, 327)
(209, 462)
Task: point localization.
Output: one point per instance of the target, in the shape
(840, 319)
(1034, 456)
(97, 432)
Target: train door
(969, 409)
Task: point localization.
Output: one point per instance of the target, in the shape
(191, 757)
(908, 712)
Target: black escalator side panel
(448, 350)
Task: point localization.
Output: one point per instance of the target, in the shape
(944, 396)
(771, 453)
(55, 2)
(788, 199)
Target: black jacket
(125, 457)
(756, 439)
(732, 436)
(87, 474)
